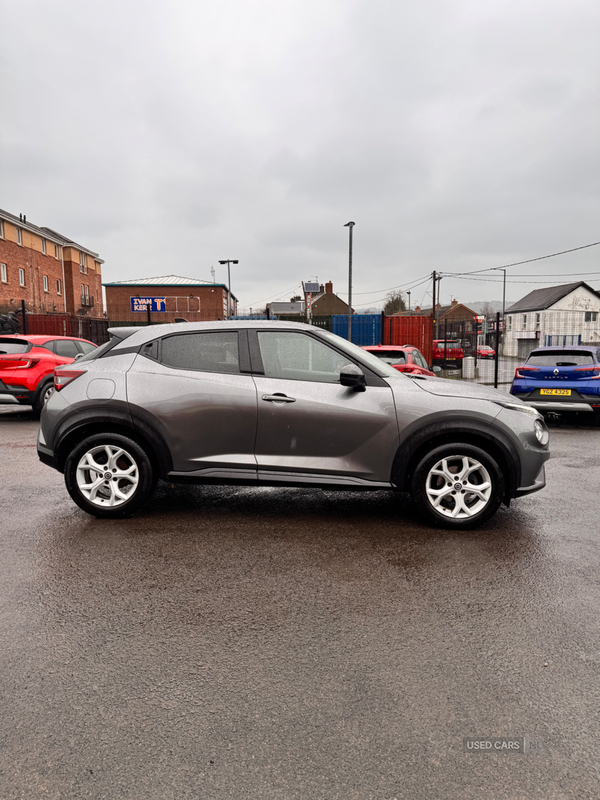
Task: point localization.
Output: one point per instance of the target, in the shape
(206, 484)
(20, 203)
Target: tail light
(520, 370)
(17, 362)
(589, 369)
(65, 376)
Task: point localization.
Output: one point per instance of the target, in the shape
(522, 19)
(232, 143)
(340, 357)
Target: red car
(448, 353)
(484, 351)
(404, 358)
(27, 365)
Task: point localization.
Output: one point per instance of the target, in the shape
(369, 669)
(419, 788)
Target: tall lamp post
(349, 225)
(229, 261)
(408, 293)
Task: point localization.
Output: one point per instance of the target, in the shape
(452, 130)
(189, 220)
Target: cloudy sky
(166, 135)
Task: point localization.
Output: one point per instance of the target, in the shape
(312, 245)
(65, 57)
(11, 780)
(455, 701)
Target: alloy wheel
(107, 475)
(459, 487)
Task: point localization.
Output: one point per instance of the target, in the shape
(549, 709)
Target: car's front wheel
(109, 475)
(458, 486)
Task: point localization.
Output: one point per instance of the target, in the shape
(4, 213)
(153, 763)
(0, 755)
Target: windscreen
(561, 358)
(14, 346)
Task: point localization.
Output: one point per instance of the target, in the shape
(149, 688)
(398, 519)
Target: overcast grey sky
(457, 134)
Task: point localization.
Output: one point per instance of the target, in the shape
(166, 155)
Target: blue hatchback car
(560, 379)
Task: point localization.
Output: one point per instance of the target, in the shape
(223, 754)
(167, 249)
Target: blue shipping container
(366, 328)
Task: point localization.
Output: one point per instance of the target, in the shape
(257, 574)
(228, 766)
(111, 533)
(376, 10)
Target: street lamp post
(349, 225)
(408, 293)
(229, 261)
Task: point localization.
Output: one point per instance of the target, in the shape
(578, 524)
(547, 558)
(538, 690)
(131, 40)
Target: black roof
(540, 299)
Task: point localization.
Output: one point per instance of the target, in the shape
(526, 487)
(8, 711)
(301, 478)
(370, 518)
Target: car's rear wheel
(109, 475)
(43, 395)
(458, 486)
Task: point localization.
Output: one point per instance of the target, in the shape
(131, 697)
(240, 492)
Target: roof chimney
(417, 309)
(20, 217)
(321, 288)
(329, 287)
(24, 218)
(454, 303)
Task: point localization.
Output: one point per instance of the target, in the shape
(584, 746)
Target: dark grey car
(281, 404)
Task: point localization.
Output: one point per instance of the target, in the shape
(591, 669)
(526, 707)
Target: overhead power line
(527, 261)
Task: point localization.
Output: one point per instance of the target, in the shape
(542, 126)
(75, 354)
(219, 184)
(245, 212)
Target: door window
(299, 357)
(65, 348)
(205, 352)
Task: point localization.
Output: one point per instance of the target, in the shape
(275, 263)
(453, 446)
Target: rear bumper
(539, 483)
(20, 397)
(549, 405)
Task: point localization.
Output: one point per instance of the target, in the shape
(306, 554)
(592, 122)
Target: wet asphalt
(279, 643)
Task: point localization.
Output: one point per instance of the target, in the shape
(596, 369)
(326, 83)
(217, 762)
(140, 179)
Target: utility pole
(229, 261)
(433, 309)
(350, 226)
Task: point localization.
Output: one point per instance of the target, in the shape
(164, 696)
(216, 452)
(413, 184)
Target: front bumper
(539, 483)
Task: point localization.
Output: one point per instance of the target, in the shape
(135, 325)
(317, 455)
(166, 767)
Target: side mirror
(353, 376)
(78, 356)
(436, 369)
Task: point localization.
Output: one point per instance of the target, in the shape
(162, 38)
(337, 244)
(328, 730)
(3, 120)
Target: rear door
(195, 388)
(310, 427)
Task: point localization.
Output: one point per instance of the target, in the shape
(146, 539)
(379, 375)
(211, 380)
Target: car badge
(556, 372)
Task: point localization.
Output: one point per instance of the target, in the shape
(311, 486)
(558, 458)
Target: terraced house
(50, 272)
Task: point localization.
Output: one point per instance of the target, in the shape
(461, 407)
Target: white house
(558, 315)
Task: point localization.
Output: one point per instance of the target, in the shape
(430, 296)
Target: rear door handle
(278, 398)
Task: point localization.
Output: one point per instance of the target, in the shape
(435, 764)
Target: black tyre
(42, 396)
(458, 486)
(109, 475)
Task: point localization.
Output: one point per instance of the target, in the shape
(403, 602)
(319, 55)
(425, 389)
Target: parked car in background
(281, 404)
(485, 351)
(448, 353)
(27, 365)
(404, 358)
(560, 380)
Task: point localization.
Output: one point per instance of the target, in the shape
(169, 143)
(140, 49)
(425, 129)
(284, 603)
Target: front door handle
(278, 398)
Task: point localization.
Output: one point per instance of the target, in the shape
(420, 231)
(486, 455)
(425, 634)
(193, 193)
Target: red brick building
(48, 271)
(170, 297)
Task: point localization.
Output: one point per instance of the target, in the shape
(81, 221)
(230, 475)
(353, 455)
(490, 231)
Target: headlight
(518, 407)
(541, 432)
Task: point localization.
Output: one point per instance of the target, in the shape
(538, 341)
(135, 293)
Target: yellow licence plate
(561, 392)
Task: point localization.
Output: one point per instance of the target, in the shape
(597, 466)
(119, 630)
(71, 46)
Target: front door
(310, 427)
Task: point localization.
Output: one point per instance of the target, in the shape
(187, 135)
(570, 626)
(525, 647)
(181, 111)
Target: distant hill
(494, 305)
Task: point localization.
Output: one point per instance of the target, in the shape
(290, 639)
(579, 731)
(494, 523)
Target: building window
(509, 323)
(1, 229)
(83, 263)
(85, 295)
(44, 246)
(537, 322)
(46, 283)
(524, 322)
(58, 287)
(591, 316)
(3, 273)
(21, 277)
(19, 236)
(56, 251)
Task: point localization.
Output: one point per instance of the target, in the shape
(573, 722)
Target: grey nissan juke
(281, 404)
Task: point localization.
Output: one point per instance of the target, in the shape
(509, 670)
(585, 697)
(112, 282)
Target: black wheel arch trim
(114, 420)
(470, 430)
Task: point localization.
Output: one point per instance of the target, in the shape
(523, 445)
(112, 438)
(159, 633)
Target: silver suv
(281, 404)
